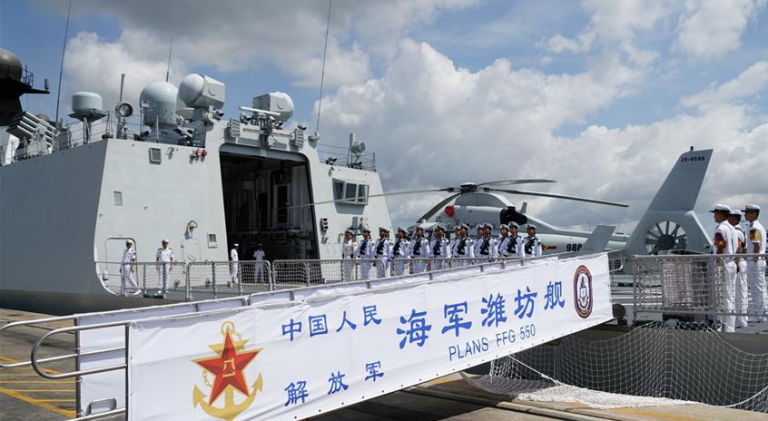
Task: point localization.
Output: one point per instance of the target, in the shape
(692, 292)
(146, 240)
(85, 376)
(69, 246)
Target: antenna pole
(61, 69)
(170, 50)
(322, 74)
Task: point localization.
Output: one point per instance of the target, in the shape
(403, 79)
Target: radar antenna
(322, 73)
(61, 69)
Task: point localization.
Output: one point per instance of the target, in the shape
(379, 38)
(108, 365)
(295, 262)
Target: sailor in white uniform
(742, 291)
(259, 256)
(364, 252)
(478, 240)
(419, 249)
(462, 248)
(487, 247)
(383, 253)
(164, 265)
(756, 244)
(400, 251)
(531, 243)
(234, 266)
(515, 245)
(439, 248)
(127, 269)
(725, 268)
(503, 242)
(348, 255)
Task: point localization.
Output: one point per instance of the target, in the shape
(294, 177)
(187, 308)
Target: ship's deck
(25, 396)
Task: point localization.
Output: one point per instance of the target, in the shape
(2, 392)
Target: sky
(600, 95)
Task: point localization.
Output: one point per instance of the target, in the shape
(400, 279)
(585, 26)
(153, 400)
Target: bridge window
(350, 193)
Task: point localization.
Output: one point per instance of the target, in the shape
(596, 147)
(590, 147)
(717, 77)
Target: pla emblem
(582, 291)
(224, 375)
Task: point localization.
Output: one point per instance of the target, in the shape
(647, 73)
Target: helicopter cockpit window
(350, 193)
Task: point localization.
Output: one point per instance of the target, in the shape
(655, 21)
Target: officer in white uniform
(164, 265)
(503, 242)
(127, 269)
(419, 249)
(259, 256)
(756, 244)
(478, 239)
(439, 248)
(488, 246)
(234, 266)
(742, 291)
(364, 252)
(531, 244)
(725, 269)
(348, 255)
(383, 253)
(462, 248)
(400, 251)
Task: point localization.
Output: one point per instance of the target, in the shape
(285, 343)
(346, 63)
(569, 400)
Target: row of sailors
(509, 244)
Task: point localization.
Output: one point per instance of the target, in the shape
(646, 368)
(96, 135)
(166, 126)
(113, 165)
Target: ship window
(362, 194)
(338, 189)
(155, 156)
(117, 197)
(350, 193)
(212, 241)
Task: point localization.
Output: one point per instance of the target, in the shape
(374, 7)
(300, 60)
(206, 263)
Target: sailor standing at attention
(234, 267)
(532, 244)
(503, 242)
(439, 247)
(419, 250)
(259, 257)
(726, 267)
(383, 251)
(488, 243)
(348, 254)
(128, 268)
(478, 239)
(461, 248)
(742, 291)
(515, 247)
(164, 265)
(400, 251)
(756, 242)
(364, 253)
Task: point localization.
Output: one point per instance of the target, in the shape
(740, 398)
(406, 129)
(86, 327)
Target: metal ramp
(292, 354)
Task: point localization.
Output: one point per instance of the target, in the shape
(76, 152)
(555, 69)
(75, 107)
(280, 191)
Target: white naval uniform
(348, 255)
(742, 291)
(439, 248)
(126, 271)
(234, 267)
(725, 271)
(259, 257)
(756, 269)
(462, 248)
(164, 266)
(400, 252)
(487, 248)
(419, 249)
(364, 252)
(478, 241)
(383, 253)
(532, 246)
(511, 246)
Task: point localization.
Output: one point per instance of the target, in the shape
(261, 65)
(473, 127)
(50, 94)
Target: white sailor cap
(165, 241)
(752, 207)
(128, 241)
(367, 230)
(383, 229)
(529, 226)
(479, 227)
(465, 226)
(721, 208)
(487, 225)
(419, 228)
(504, 227)
(236, 245)
(349, 232)
(439, 227)
(735, 212)
(402, 229)
(513, 224)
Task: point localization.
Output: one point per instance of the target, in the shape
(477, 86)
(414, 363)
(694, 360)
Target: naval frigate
(72, 195)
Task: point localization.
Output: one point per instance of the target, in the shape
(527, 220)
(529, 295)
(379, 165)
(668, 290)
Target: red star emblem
(228, 368)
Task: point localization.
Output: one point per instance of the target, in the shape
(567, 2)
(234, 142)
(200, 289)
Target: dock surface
(24, 396)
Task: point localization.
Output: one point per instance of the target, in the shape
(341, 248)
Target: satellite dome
(87, 102)
(198, 91)
(10, 65)
(160, 101)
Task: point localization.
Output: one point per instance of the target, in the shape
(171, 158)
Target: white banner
(288, 361)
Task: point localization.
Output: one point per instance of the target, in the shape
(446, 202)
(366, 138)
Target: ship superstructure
(72, 196)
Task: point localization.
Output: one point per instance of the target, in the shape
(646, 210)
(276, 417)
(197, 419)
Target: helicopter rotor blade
(510, 182)
(560, 196)
(354, 199)
(437, 207)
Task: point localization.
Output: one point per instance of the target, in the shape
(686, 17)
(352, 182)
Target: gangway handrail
(12, 325)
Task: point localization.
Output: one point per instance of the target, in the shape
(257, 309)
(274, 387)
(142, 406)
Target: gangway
(295, 353)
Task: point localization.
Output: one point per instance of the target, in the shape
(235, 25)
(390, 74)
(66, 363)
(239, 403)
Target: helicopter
(668, 224)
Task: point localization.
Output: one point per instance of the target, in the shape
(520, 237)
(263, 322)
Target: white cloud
(712, 28)
(750, 82)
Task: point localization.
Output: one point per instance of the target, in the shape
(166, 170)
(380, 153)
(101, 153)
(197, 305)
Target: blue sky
(543, 81)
